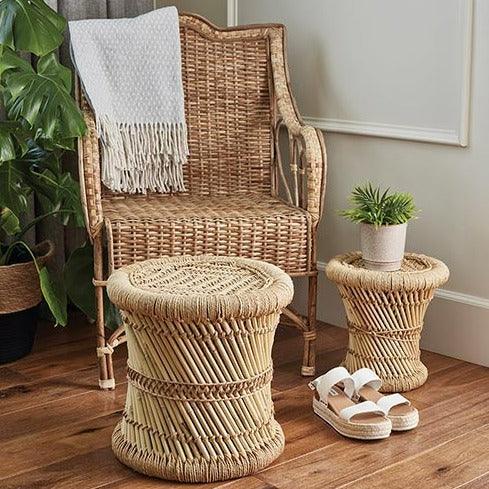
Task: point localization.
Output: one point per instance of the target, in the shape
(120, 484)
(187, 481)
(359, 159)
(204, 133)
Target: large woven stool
(200, 332)
(385, 313)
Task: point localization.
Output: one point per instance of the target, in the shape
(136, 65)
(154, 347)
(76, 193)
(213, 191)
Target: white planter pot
(383, 246)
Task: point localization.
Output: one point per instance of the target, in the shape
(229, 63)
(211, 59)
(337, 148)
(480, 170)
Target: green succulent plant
(42, 122)
(371, 205)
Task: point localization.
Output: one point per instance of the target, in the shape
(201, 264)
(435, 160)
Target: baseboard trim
(449, 295)
(470, 300)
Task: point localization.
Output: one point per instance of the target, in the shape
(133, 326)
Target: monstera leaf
(11, 61)
(18, 156)
(42, 99)
(13, 140)
(58, 190)
(30, 25)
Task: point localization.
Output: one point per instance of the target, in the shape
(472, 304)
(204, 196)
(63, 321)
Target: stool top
(202, 287)
(417, 272)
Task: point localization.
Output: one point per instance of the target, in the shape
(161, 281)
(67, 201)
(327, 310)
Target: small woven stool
(199, 332)
(385, 313)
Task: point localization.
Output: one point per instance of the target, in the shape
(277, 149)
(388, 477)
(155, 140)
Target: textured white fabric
(130, 71)
(386, 403)
(325, 382)
(360, 408)
(365, 377)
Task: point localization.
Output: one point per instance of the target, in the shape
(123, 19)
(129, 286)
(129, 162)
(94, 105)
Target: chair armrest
(89, 170)
(306, 143)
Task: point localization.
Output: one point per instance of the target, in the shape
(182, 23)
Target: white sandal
(396, 407)
(332, 402)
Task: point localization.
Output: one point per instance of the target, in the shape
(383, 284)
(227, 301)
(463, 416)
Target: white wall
(358, 82)
(392, 65)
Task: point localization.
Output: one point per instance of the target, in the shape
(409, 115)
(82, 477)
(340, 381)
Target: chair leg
(104, 354)
(309, 360)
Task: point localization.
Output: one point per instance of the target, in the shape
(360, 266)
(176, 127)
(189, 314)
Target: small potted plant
(383, 218)
(42, 122)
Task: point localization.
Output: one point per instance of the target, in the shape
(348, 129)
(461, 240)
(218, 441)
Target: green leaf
(49, 66)
(9, 60)
(56, 191)
(78, 270)
(16, 180)
(71, 199)
(30, 25)
(13, 192)
(43, 99)
(54, 295)
(373, 207)
(13, 140)
(9, 222)
(78, 274)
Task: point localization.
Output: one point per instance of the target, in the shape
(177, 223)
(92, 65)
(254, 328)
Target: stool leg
(106, 373)
(309, 359)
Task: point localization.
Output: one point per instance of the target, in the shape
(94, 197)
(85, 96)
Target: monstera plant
(41, 122)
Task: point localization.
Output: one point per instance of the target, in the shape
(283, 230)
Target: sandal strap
(325, 382)
(366, 377)
(360, 408)
(386, 403)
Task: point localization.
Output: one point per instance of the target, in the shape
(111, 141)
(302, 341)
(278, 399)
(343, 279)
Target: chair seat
(250, 225)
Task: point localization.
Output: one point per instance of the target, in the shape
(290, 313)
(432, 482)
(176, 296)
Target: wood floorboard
(55, 425)
(481, 482)
(45, 417)
(47, 364)
(446, 465)
(23, 454)
(35, 393)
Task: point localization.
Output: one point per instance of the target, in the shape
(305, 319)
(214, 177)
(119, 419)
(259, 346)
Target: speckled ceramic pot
(383, 246)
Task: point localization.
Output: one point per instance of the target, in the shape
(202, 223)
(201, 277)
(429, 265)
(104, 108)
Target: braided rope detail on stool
(385, 313)
(199, 392)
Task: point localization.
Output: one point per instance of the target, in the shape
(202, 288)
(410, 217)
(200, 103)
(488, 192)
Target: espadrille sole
(359, 431)
(406, 422)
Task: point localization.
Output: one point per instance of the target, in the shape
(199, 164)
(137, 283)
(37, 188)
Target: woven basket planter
(200, 332)
(20, 293)
(385, 313)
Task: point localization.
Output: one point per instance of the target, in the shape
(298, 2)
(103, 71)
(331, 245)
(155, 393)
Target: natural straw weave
(200, 332)
(385, 313)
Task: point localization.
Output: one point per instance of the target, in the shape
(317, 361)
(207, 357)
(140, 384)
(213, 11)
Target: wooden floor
(55, 425)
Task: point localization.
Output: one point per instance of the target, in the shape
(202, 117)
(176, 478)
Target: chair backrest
(229, 107)
(228, 102)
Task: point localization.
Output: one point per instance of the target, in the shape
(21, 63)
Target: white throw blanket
(130, 70)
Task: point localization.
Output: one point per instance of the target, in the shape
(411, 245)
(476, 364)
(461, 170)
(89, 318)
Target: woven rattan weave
(385, 313)
(237, 100)
(200, 332)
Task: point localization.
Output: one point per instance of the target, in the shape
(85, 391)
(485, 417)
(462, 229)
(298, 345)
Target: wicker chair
(239, 199)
